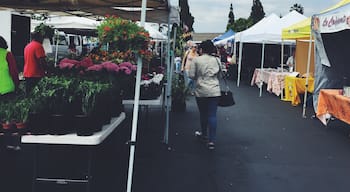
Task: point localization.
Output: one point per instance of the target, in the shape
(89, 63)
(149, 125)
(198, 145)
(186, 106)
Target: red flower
(106, 28)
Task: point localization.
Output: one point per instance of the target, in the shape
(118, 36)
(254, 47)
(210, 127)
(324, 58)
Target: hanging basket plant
(123, 38)
(45, 30)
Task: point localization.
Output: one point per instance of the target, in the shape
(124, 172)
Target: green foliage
(298, 7)
(6, 111)
(185, 15)
(240, 24)
(22, 108)
(45, 30)
(231, 16)
(257, 12)
(54, 93)
(122, 35)
(88, 91)
(179, 90)
(16, 108)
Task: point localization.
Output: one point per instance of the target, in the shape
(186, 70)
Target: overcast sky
(211, 16)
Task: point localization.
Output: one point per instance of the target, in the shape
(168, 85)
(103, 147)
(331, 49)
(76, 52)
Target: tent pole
(170, 68)
(307, 75)
(282, 53)
(136, 107)
(239, 63)
(262, 66)
(234, 49)
(56, 50)
(134, 122)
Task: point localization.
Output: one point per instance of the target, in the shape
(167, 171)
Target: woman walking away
(205, 70)
(9, 80)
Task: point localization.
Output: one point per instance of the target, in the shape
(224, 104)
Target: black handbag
(226, 99)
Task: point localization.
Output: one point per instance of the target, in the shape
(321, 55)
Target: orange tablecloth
(294, 86)
(331, 102)
(272, 77)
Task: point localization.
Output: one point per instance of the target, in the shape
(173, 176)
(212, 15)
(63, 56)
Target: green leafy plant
(54, 93)
(89, 91)
(21, 109)
(6, 111)
(45, 30)
(122, 35)
(179, 90)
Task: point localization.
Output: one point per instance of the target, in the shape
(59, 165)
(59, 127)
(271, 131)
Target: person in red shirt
(9, 80)
(34, 61)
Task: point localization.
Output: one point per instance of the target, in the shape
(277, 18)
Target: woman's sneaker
(211, 145)
(200, 136)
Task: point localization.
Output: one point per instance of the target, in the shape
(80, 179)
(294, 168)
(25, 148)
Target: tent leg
(307, 75)
(282, 53)
(262, 66)
(239, 63)
(136, 108)
(170, 68)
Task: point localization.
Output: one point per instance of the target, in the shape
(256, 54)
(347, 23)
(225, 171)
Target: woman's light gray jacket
(205, 71)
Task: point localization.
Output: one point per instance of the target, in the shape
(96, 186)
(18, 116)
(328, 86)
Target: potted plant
(179, 93)
(7, 115)
(93, 111)
(54, 95)
(45, 30)
(21, 112)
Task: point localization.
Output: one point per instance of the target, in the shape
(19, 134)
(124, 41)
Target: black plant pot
(84, 125)
(38, 123)
(60, 124)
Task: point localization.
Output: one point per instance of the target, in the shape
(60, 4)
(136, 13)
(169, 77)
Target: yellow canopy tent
(304, 55)
(301, 33)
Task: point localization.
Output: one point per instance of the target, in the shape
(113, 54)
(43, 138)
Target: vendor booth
(157, 11)
(332, 34)
(267, 32)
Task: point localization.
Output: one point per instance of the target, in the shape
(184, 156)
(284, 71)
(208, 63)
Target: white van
(61, 42)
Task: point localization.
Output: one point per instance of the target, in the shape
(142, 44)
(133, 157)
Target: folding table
(67, 143)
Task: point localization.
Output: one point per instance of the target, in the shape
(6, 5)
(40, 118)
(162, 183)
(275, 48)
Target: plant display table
(44, 144)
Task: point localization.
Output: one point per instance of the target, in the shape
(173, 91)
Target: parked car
(62, 42)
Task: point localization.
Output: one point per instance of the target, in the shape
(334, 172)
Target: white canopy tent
(68, 22)
(83, 25)
(153, 32)
(266, 31)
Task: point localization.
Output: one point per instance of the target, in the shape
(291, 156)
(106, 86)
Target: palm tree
(298, 7)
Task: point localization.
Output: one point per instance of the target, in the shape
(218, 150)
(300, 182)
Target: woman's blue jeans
(190, 83)
(207, 107)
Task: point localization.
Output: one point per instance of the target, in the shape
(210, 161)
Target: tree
(231, 19)
(257, 12)
(186, 19)
(242, 24)
(298, 7)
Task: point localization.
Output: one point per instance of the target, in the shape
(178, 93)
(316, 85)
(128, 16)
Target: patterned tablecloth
(332, 103)
(274, 78)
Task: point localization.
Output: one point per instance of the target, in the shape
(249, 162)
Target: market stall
(266, 31)
(332, 34)
(135, 52)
